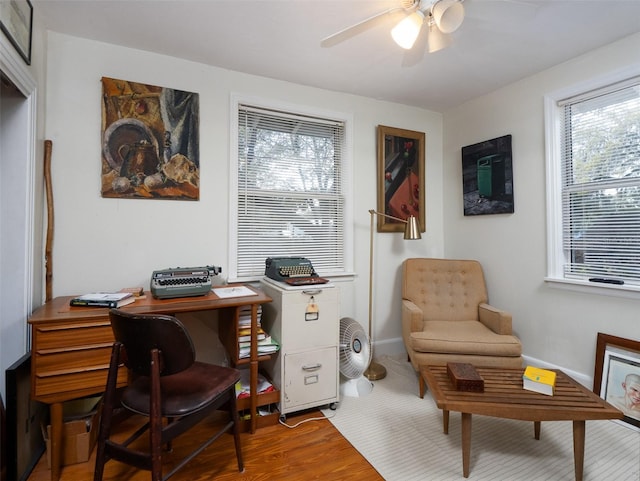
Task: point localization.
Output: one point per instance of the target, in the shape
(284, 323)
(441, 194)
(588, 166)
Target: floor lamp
(377, 371)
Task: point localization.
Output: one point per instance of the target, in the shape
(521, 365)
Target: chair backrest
(140, 333)
(445, 289)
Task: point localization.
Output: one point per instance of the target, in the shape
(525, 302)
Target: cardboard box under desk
(79, 431)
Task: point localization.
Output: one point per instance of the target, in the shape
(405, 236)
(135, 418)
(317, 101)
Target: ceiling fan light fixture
(448, 15)
(406, 31)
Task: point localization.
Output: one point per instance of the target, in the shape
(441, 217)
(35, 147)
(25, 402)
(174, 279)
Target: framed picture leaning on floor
(617, 375)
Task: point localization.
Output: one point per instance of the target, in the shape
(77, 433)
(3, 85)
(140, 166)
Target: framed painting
(487, 177)
(150, 141)
(401, 177)
(616, 377)
(16, 21)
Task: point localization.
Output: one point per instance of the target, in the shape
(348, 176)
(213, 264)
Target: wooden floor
(313, 450)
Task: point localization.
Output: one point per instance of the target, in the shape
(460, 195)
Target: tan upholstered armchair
(446, 317)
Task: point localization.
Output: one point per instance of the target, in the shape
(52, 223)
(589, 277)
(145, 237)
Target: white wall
(556, 326)
(20, 198)
(106, 244)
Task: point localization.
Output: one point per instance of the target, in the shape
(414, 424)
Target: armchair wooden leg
(423, 386)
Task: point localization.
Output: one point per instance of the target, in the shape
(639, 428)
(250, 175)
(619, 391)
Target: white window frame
(553, 145)
(347, 178)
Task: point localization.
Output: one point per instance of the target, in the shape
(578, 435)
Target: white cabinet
(305, 321)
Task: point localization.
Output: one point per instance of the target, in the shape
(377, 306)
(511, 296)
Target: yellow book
(244, 334)
(539, 380)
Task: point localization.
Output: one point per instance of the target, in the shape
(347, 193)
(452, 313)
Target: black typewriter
(295, 271)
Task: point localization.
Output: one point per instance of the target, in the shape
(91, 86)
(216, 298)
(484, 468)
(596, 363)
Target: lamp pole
(377, 371)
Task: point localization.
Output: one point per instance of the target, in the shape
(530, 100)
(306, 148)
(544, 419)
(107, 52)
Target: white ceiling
(500, 41)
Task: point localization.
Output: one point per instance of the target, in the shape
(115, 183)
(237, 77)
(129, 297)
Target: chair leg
(236, 429)
(106, 417)
(155, 418)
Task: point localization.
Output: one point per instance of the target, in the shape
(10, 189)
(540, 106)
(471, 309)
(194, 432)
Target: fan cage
(355, 348)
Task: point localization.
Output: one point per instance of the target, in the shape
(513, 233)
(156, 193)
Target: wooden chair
(168, 386)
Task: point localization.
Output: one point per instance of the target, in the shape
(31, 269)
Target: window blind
(290, 190)
(601, 184)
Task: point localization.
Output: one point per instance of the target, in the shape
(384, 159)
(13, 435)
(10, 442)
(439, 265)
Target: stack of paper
(243, 386)
(267, 345)
(244, 317)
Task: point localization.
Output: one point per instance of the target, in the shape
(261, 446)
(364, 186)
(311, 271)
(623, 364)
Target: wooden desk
(71, 348)
(504, 397)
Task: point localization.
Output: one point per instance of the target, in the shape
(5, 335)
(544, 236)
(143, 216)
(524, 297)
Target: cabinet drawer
(306, 328)
(302, 296)
(310, 378)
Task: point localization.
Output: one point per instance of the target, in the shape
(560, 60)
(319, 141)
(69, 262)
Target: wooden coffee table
(504, 397)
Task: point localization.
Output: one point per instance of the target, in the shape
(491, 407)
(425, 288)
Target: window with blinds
(600, 184)
(290, 190)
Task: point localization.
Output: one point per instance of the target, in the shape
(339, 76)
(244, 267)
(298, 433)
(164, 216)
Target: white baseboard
(389, 347)
(395, 347)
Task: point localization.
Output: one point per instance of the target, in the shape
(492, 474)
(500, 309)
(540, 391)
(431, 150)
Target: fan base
(375, 372)
(358, 387)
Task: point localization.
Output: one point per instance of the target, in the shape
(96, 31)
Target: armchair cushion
(463, 337)
(444, 289)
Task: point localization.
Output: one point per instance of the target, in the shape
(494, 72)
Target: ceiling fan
(439, 17)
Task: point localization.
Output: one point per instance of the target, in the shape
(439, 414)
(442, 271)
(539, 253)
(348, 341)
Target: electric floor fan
(355, 357)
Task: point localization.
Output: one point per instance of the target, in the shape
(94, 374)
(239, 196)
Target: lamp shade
(448, 15)
(406, 31)
(412, 229)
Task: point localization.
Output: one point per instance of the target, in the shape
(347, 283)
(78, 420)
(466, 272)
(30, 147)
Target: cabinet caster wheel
(283, 418)
(333, 406)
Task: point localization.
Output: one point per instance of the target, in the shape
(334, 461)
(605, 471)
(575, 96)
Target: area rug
(401, 436)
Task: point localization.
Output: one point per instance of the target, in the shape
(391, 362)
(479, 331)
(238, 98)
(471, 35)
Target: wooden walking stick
(48, 256)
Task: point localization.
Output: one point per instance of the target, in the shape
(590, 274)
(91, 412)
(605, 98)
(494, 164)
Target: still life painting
(150, 141)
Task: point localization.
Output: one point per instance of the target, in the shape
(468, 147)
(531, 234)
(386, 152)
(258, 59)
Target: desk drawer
(71, 359)
(83, 381)
(51, 362)
(71, 335)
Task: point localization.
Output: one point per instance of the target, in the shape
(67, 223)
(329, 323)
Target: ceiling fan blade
(437, 40)
(358, 28)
